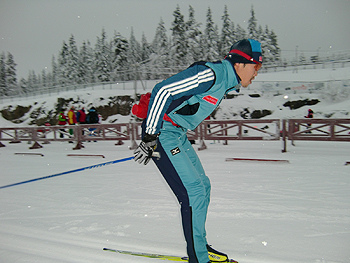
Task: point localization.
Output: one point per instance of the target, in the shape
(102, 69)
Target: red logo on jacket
(211, 99)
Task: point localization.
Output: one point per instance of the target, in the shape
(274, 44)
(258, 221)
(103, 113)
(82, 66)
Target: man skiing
(182, 102)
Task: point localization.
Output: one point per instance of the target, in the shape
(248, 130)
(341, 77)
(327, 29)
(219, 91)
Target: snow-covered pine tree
(193, 35)
(72, 61)
(269, 46)
(23, 86)
(54, 72)
(134, 56)
(240, 33)
(44, 83)
(266, 51)
(32, 83)
(119, 46)
(273, 44)
(48, 79)
(178, 52)
(252, 25)
(260, 34)
(86, 63)
(102, 58)
(3, 89)
(210, 39)
(11, 79)
(145, 56)
(160, 49)
(63, 72)
(227, 37)
(145, 48)
(134, 51)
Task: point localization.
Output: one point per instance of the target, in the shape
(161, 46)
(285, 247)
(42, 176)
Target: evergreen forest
(118, 58)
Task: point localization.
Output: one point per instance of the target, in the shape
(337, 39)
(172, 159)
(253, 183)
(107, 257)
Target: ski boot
(216, 256)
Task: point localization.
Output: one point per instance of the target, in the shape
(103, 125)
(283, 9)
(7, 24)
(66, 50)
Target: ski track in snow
(259, 212)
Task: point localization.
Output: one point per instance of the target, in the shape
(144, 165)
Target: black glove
(144, 152)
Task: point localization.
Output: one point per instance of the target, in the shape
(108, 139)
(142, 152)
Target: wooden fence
(315, 130)
(225, 130)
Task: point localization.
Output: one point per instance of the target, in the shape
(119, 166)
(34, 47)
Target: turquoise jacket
(190, 96)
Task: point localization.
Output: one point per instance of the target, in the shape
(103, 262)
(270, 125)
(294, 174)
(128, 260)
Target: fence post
(284, 133)
(34, 132)
(332, 129)
(225, 133)
(133, 132)
(1, 145)
(202, 137)
(78, 131)
(120, 142)
(240, 134)
(292, 128)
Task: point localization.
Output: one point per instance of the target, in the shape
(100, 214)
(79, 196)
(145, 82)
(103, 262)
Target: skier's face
(247, 73)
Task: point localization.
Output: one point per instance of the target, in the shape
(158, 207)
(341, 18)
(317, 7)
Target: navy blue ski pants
(183, 171)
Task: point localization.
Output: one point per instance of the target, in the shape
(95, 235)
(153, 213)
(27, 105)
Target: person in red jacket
(81, 116)
(310, 115)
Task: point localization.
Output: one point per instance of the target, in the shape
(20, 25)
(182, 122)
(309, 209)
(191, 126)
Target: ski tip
(111, 250)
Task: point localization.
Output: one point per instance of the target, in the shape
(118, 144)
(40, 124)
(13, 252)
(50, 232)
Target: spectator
(309, 115)
(72, 119)
(62, 120)
(81, 116)
(92, 118)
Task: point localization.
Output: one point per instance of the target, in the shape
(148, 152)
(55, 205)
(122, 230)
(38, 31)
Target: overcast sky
(34, 30)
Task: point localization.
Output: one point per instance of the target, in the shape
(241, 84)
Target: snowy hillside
(270, 91)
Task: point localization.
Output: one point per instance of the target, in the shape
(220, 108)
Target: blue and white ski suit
(187, 98)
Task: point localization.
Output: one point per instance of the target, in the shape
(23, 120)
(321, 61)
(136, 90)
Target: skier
(182, 102)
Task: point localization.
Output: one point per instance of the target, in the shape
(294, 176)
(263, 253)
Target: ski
(150, 255)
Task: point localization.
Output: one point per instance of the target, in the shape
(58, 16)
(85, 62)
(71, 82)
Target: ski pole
(68, 172)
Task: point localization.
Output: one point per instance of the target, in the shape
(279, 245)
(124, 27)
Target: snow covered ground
(260, 212)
